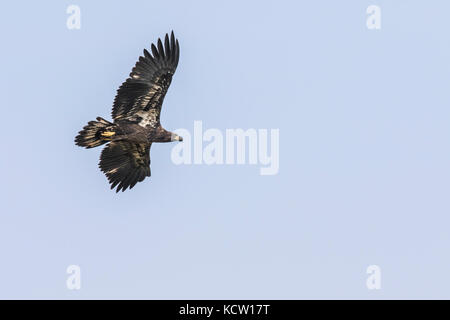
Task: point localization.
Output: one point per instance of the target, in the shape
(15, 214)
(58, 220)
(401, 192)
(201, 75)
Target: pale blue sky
(364, 152)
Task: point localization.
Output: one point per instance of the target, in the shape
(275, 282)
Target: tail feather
(95, 133)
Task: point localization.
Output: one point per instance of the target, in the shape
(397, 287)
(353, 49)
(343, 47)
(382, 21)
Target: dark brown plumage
(136, 114)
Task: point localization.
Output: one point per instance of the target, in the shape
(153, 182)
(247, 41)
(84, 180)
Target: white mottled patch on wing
(148, 117)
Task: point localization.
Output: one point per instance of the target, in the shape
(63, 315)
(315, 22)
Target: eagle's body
(136, 113)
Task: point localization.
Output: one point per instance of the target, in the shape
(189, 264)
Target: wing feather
(167, 45)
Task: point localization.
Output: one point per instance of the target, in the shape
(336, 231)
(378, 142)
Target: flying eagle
(125, 160)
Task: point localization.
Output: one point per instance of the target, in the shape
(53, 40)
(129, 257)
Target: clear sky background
(364, 173)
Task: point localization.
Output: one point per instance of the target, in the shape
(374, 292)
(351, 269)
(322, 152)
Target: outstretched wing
(125, 163)
(140, 97)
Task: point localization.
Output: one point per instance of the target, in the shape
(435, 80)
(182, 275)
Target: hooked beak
(176, 137)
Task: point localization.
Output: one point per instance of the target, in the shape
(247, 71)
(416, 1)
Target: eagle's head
(162, 135)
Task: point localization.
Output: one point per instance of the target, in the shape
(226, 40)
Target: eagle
(125, 160)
